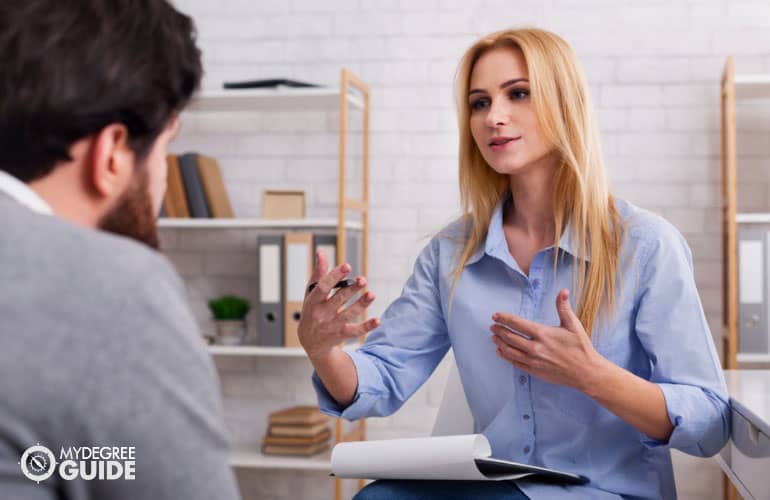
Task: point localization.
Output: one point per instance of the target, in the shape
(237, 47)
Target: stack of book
(297, 431)
(195, 188)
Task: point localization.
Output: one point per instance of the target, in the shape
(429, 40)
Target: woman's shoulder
(646, 230)
(447, 243)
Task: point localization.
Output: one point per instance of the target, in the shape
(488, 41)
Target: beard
(132, 215)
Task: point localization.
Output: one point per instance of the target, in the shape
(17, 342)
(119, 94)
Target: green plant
(229, 307)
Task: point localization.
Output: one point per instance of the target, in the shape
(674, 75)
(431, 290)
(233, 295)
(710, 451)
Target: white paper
(444, 457)
(750, 272)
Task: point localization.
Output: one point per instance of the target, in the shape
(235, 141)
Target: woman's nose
(497, 115)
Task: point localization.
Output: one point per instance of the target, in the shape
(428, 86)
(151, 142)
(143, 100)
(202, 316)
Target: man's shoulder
(44, 245)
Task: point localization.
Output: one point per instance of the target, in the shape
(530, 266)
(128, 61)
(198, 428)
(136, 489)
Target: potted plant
(230, 317)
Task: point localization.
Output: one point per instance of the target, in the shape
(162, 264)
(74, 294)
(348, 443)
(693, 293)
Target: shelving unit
(746, 88)
(254, 459)
(256, 224)
(280, 98)
(256, 351)
(352, 93)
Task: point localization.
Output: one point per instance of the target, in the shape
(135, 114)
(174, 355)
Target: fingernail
(345, 268)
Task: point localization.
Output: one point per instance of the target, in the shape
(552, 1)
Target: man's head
(90, 91)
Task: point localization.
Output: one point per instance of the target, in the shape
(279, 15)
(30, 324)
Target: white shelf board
(743, 357)
(752, 218)
(183, 223)
(254, 459)
(253, 350)
(281, 98)
(756, 86)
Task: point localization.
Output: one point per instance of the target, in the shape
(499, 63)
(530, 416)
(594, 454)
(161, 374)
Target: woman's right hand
(324, 324)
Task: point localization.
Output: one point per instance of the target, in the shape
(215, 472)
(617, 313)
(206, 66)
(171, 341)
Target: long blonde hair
(559, 95)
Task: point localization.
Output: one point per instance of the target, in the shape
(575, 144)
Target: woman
(616, 363)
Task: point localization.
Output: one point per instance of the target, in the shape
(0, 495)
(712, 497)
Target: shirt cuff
(675, 409)
(367, 393)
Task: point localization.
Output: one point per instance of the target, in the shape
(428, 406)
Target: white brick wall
(653, 68)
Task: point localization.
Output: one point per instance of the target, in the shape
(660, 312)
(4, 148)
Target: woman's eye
(519, 94)
(478, 104)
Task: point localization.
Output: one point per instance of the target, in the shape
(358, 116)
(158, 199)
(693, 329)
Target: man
(97, 345)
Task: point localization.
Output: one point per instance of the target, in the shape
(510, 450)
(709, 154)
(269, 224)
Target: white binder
(270, 290)
(298, 260)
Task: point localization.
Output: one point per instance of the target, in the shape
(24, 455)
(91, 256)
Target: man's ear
(112, 161)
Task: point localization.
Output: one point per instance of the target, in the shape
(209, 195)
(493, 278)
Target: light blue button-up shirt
(658, 332)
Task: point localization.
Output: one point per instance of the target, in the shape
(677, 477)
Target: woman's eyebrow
(502, 85)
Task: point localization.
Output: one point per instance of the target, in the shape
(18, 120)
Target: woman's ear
(112, 162)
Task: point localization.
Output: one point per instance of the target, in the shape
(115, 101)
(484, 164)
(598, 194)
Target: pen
(339, 284)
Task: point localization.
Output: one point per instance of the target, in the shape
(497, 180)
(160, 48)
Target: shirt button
(526, 417)
(522, 379)
(536, 283)
(526, 449)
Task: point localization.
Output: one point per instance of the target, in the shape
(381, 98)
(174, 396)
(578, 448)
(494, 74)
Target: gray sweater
(98, 348)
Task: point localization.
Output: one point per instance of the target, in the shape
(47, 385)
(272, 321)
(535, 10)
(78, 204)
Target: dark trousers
(443, 490)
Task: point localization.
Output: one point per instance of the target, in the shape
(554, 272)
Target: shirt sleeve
(399, 356)
(672, 328)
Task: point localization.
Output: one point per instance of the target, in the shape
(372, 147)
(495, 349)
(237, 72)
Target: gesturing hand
(324, 323)
(561, 354)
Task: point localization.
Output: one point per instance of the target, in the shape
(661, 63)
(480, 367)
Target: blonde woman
(616, 364)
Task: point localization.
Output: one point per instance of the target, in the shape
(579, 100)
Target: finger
(352, 330)
(519, 324)
(341, 296)
(567, 316)
(355, 310)
(512, 339)
(321, 266)
(327, 282)
(511, 354)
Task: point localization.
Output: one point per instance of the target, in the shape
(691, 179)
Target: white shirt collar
(20, 192)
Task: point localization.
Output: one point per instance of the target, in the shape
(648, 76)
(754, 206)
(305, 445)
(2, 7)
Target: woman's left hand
(561, 354)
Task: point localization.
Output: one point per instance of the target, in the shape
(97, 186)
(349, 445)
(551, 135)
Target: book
(267, 83)
(465, 457)
(298, 441)
(298, 415)
(196, 200)
(301, 451)
(175, 200)
(214, 188)
(296, 430)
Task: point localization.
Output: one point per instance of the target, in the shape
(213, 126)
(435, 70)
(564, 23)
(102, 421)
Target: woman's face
(503, 122)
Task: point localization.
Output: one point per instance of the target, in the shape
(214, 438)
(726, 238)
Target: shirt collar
(20, 192)
(496, 246)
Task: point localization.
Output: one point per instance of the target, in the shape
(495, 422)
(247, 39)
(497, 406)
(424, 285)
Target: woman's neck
(531, 210)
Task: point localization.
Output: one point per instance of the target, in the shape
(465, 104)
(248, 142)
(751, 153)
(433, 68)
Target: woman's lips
(500, 144)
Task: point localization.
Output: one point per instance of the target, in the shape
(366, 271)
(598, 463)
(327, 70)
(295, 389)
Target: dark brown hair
(68, 68)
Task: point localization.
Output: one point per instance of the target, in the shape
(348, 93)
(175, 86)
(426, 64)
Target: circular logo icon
(38, 463)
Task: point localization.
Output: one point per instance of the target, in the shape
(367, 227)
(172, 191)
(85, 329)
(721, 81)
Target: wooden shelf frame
(347, 81)
(729, 221)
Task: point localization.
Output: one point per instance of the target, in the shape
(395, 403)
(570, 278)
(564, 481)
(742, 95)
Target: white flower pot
(231, 331)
